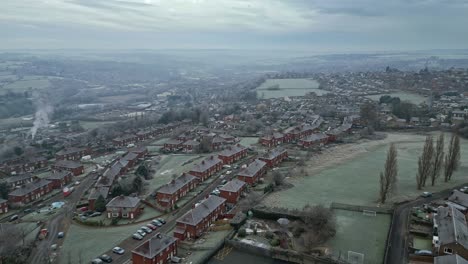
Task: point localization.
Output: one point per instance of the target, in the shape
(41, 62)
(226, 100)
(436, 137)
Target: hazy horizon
(314, 26)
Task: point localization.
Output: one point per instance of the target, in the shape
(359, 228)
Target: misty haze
(233, 131)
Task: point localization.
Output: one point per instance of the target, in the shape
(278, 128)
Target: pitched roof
(206, 164)
(197, 214)
(173, 142)
(154, 245)
(178, 183)
(315, 137)
(271, 154)
(451, 226)
(232, 150)
(68, 164)
(3, 201)
(124, 201)
(20, 177)
(191, 143)
(57, 175)
(130, 156)
(96, 191)
(29, 187)
(252, 169)
(460, 198)
(233, 186)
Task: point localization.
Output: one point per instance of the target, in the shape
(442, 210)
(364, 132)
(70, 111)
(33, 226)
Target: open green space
(404, 96)
(89, 125)
(356, 181)
(422, 243)
(90, 242)
(170, 165)
(248, 141)
(26, 85)
(360, 233)
(275, 88)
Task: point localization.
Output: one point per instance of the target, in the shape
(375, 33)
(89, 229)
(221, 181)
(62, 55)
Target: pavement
(397, 249)
(60, 222)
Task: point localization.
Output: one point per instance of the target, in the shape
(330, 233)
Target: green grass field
(248, 141)
(360, 233)
(356, 181)
(27, 84)
(404, 96)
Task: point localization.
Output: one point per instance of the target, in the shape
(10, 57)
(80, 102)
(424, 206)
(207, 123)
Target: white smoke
(41, 118)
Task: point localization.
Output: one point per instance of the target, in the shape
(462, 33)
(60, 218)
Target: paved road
(129, 244)
(397, 246)
(59, 222)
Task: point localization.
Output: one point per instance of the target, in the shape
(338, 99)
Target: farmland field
(27, 84)
(356, 180)
(90, 125)
(275, 88)
(352, 227)
(404, 96)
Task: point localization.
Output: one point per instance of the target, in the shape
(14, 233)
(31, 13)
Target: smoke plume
(43, 111)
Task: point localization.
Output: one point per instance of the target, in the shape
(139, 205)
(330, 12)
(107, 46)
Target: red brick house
(157, 250)
(273, 140)
(72, 153)
(94, 195)
(170, 193)
(143, 135)
(59, 179)
(125, 140)
(21, 179)
(130, 159)
(298, 132)
(232, 191)
(124, 207)
(30, 192)
(190, 146)
(217, 143)
(313, 140)
(228, 139)
(253, 172)
(196, 221)
(232, 154)
(68, 165)
(274, 157)
(140, 151)
(206, 168)
(20, 165)
(3, 206)
(173, 145)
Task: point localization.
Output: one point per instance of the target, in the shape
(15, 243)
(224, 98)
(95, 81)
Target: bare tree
(320, 225)
(452, 158)
(388, 178)
(438, 160)
(250, 201)
(278, 178)
(425, 163)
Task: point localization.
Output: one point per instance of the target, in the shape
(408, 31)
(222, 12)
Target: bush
(242, 232)
(269, 235)
(115, 221)
(274, 242)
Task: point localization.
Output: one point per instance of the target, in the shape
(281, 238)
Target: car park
(153, 227)
(156, 222)
(137, 236)
(141, 232)
(118, 250)
(97, 261)
(106, 258)
(146, 229)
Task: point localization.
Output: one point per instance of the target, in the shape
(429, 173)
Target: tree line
(432, 163)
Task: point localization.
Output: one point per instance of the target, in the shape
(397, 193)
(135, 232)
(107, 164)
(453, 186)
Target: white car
(228, 172)
(77, 183)
(141, 232)
(118, 250)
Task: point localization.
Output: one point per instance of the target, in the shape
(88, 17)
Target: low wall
(360, 208)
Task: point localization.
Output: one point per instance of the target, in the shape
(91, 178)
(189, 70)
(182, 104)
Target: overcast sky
(315, 25)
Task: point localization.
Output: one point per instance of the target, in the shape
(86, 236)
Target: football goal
(369, 213)
(355, 257)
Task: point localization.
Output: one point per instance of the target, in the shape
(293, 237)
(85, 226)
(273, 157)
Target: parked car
(137, 236)
(161, 220)
(83, 209)
(153, 227)
(77, 183)
(423, 252)
(88, 213)
(27, 211)
(106, 258)
(228, 172)
(118, 250)
(227, 166)
(60, 234)
(97, 261)
(13, 218)
(141, 232)
(156, 222)
(95, 214)
(146, 229)
(224, 182)
(426, 194)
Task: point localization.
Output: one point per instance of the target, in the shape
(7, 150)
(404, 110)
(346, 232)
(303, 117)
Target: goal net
(355, 257)
(369, 213)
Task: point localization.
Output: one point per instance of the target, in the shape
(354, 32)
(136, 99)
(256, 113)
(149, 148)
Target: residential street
(60, 222)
